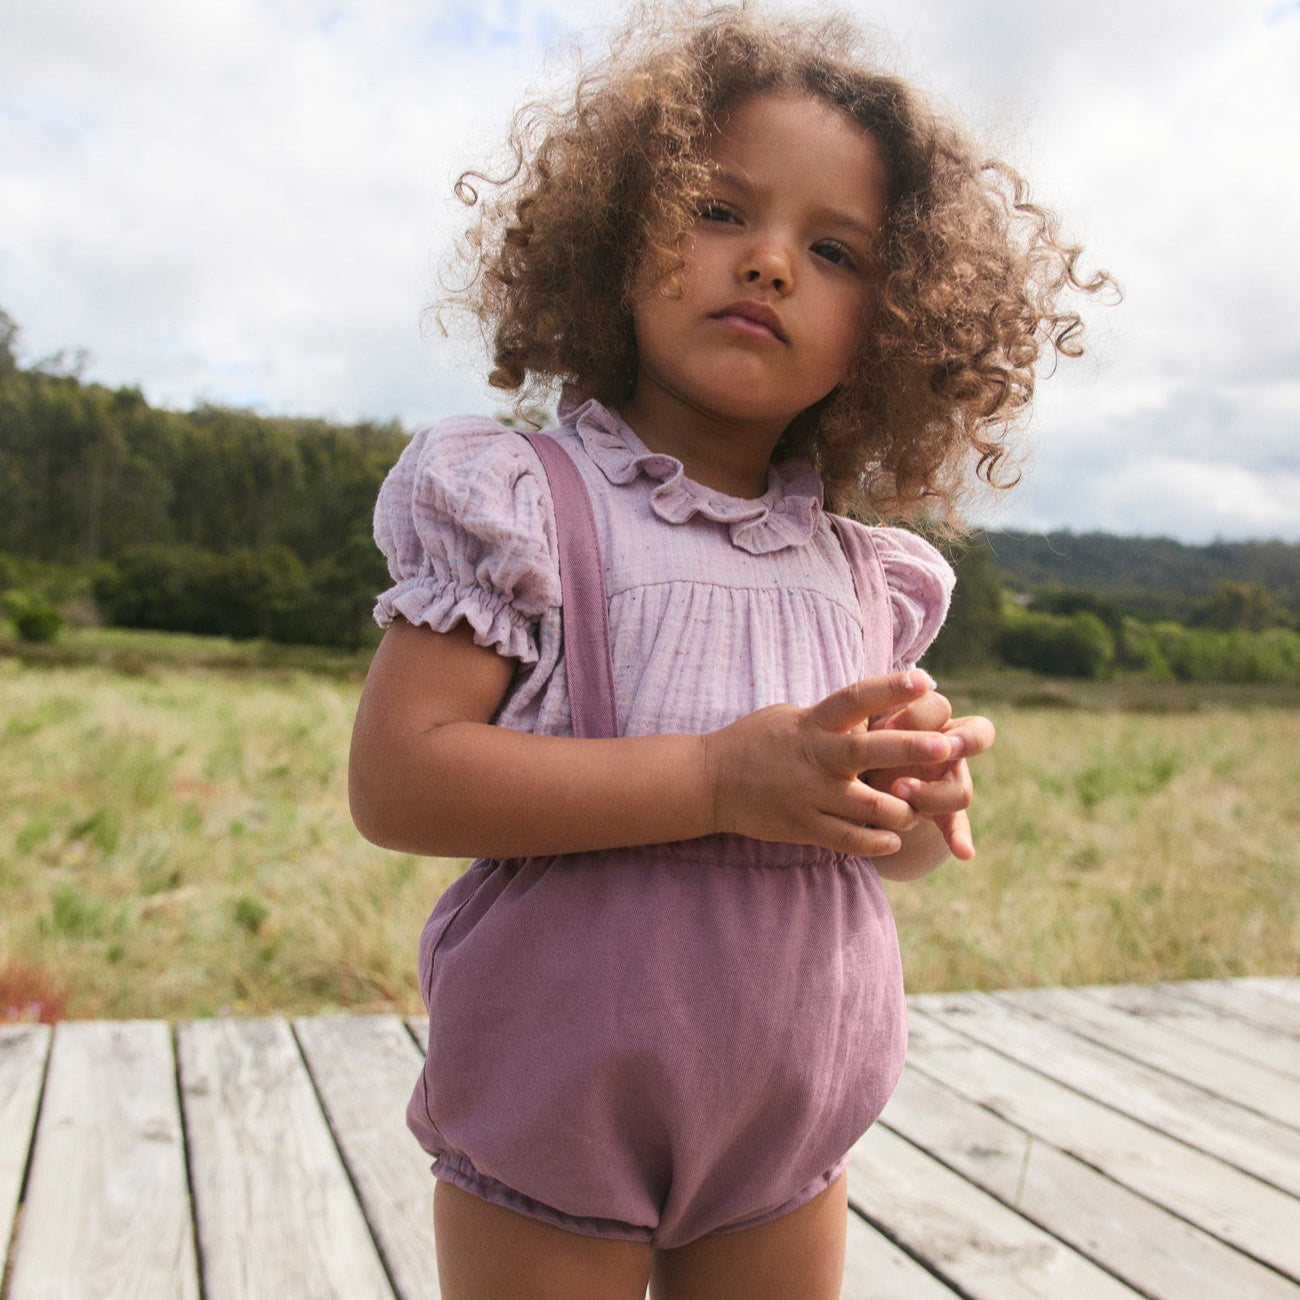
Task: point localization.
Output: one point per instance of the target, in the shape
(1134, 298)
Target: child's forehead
(771, 140)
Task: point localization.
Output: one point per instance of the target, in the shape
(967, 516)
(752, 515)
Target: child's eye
(833, 251)
(712, 210)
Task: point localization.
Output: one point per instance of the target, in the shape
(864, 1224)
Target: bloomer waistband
(717, 851)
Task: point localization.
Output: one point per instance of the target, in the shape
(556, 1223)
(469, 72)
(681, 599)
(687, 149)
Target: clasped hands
(854, 772)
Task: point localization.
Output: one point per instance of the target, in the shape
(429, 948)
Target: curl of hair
(971, 274)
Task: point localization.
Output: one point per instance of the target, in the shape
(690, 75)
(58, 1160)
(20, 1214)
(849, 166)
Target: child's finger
(977, 734)
(852, 705)
(956, 833)
(950, 792)
(868, 751)
(931, 712)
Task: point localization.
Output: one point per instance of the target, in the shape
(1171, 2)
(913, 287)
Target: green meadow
(175, 841)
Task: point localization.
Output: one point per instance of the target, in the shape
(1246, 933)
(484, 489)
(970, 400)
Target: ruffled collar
(786, 515)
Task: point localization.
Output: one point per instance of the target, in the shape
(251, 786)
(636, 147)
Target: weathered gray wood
(874, 1267)
(1043, 1107)
(987, 1251)
(1229, 997)
(1218, 1198)
(1244, 1138)
(1286, 987)
(1163, 1004)
(107, 1213)
(1171, 1051)
(23, 1053)
(364, 1068)
(277, 1216)
(1157, 1253)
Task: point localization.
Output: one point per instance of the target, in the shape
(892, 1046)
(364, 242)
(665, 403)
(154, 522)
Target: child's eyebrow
(832, 216)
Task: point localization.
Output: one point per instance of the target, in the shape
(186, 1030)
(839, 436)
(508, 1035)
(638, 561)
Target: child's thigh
(486, 1252)
(799, 1256)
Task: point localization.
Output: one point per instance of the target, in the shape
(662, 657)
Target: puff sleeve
(920, 582)
(466, 524)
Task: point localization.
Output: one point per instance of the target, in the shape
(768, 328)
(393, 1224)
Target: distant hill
(1149, 575)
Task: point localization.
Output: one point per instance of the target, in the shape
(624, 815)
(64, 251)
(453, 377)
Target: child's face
(779, 275)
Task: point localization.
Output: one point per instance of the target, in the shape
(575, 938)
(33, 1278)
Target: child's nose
(768, 263)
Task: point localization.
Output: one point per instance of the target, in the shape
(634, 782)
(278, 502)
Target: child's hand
(940, 792)
(792, 774)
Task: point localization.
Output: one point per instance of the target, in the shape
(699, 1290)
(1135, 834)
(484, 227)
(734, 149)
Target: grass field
(174, 840)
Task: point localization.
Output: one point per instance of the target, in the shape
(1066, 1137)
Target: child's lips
(756, 319)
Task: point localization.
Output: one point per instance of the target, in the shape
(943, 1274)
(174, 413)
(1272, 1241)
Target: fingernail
(934, 686)
(956, 746)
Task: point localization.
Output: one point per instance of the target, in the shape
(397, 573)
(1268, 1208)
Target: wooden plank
(107, 1211)
(983, 1249)
(1230, 997)
(24, 1050)
(1250, 1215)
(1155, 1252)
(1286, 987)
(1162, 1004)
(276, 1213)
(1168, 1050)
(1244, 1138)
(364, 1068)
(875, 1267)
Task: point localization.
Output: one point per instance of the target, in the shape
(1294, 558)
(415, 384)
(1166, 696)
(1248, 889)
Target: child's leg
(486, 1252)
(799, 1256)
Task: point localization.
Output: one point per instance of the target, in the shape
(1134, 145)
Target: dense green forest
(1148, 575)
(223, 521)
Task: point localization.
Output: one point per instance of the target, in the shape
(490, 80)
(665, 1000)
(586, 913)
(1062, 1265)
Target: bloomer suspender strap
(873, 595)
(588, 665)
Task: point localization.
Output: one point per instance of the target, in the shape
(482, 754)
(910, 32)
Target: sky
(247, 203)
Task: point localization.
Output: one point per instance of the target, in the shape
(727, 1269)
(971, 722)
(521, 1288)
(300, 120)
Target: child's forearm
(429, 773)
(924, 849)
(470, 789)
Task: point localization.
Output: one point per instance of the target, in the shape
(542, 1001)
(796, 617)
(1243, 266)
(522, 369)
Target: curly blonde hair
(970, 272)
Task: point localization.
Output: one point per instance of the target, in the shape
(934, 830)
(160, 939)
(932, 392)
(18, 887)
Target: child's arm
(429, 774)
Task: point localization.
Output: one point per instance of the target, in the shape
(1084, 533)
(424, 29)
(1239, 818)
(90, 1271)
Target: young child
(666, 999)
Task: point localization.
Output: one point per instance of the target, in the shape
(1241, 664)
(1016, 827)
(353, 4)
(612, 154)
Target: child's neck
(727, 456)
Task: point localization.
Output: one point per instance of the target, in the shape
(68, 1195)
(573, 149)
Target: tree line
(222, 521)
(213, 520)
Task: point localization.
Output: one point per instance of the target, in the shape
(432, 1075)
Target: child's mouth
(755, 319)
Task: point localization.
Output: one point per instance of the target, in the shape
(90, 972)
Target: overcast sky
(244, 202)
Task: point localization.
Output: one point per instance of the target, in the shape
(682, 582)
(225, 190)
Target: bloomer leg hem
(458, 1171)
(800, 1198)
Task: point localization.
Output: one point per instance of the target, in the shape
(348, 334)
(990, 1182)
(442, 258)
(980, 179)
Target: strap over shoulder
(588, 665)
(873, 597)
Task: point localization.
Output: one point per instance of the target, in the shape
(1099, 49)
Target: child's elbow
(371, 800)
(362, 805)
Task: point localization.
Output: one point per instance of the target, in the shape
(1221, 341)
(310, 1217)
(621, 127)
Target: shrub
(1210, 655)
(34, 618)
(1079, 645)
(184, 589)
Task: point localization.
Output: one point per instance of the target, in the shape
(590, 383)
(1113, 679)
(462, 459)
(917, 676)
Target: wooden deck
(1082, 1145)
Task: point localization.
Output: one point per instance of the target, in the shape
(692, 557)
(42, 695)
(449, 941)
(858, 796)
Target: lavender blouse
(718, 605)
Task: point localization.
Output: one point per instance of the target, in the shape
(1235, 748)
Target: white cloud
(243, 202)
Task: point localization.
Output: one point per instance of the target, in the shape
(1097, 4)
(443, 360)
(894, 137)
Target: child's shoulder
(463, 441)
(917, 581)
(900, 552)
(466, 476)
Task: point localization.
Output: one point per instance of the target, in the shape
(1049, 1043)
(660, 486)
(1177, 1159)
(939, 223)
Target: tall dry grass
(175, 842)
(178, 843)
(1116, 847)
